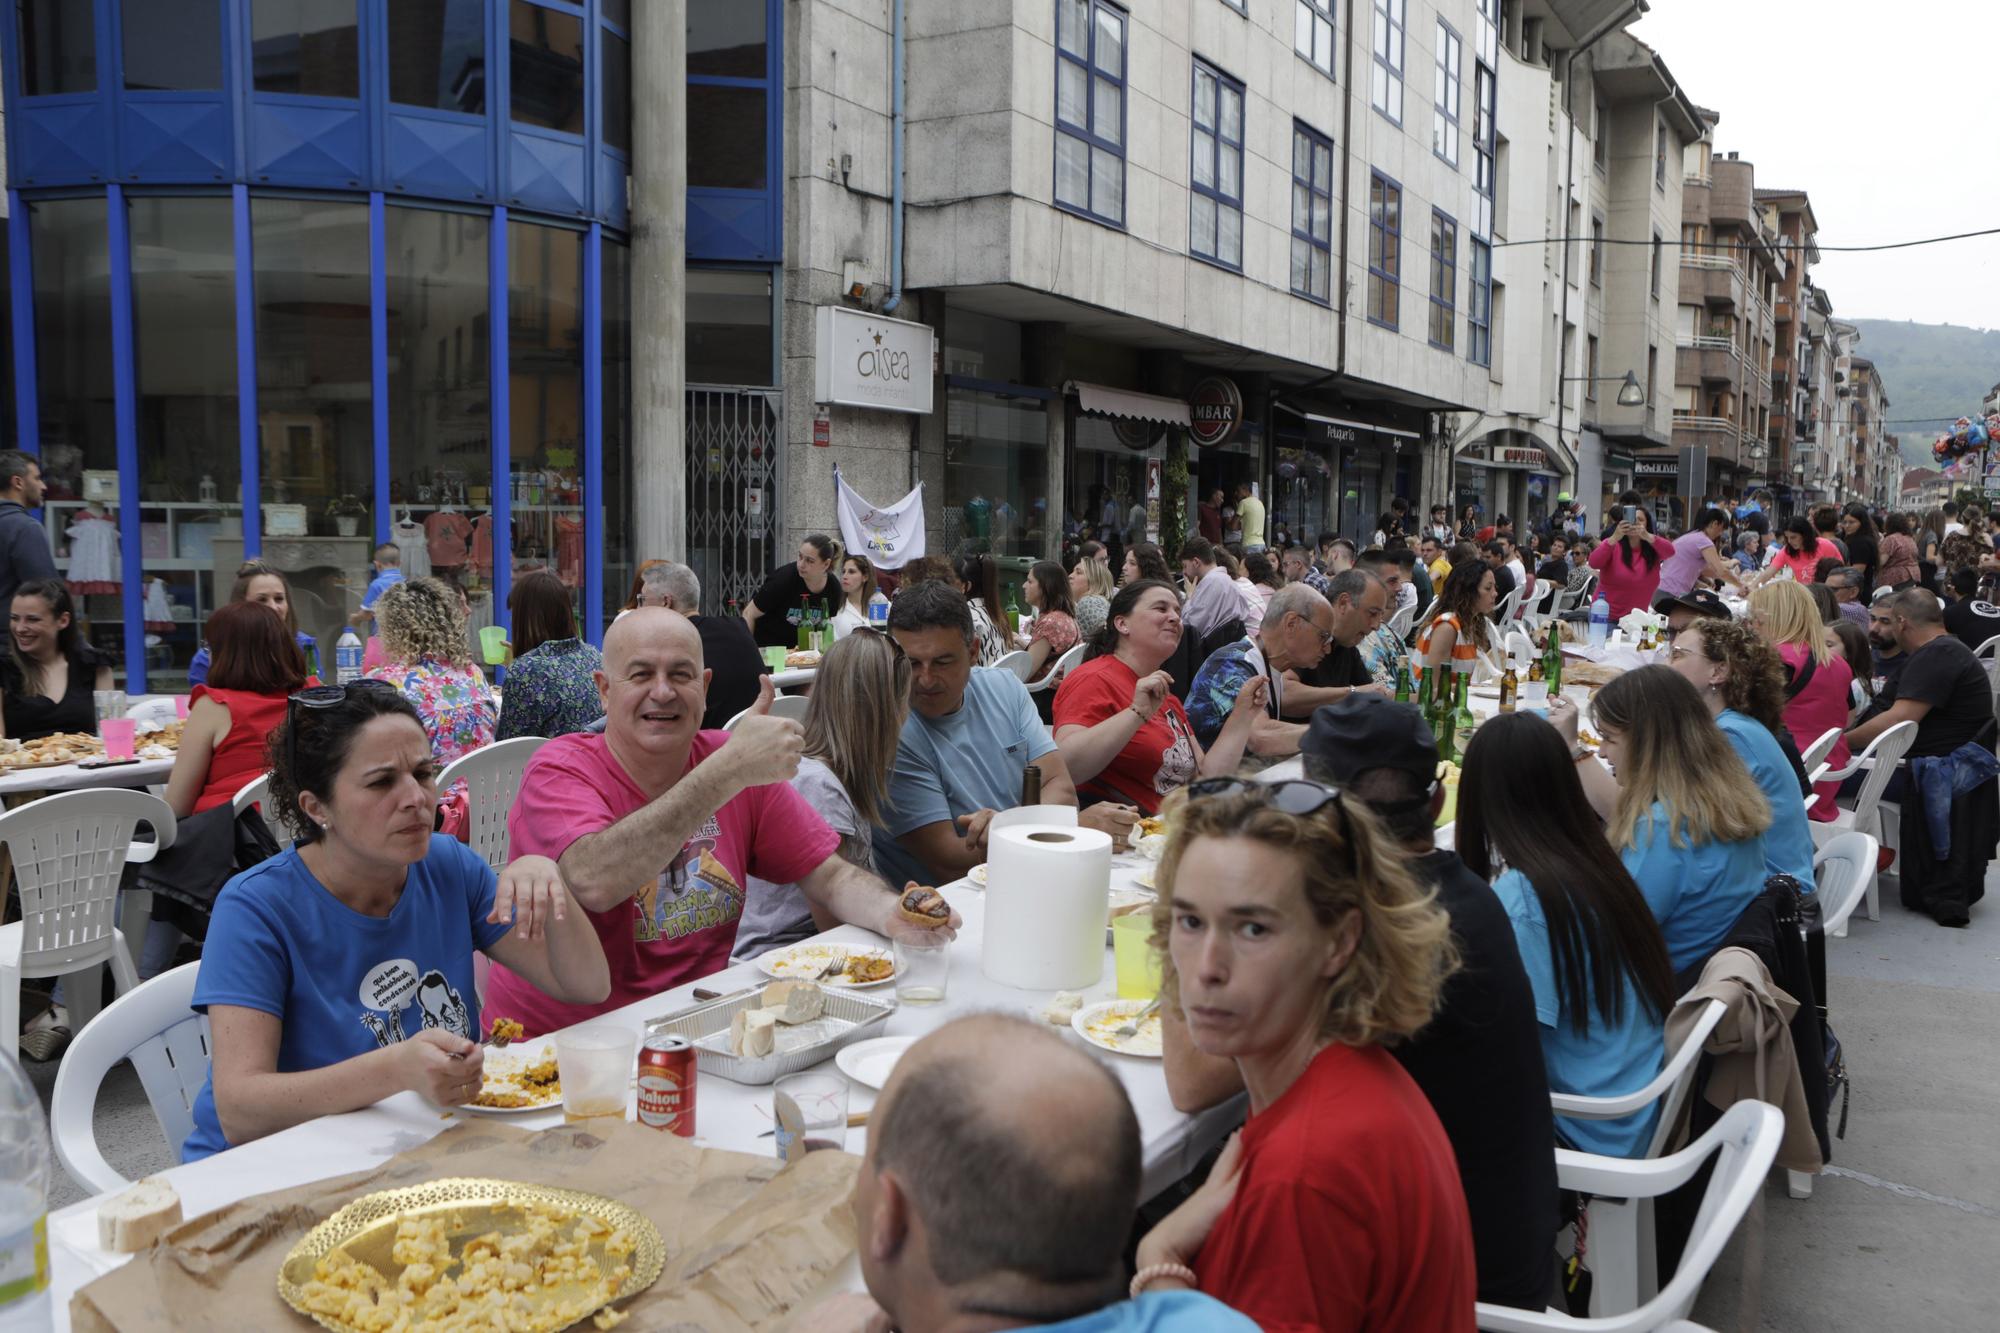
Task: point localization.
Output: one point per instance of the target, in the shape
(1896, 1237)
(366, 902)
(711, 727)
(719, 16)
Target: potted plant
(346, 512)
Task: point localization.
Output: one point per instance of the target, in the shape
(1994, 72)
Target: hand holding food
(1112, 818)
(1252, 697)
(923, 905)
(442, 1066)
(1149, 694)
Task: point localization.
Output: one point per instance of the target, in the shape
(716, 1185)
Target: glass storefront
(615, 496)
(996, 469)
(1302, 494)
(545, 402)
(1104, 482)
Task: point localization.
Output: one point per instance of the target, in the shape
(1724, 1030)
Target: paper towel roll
(1064, 815)
(1048, 889)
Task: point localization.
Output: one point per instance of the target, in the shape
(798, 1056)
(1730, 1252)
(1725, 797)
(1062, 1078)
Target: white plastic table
(728, 1115)
(71, 777)
(791, 676)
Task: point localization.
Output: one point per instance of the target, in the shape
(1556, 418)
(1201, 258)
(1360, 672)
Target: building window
(58, 50)
(1654, 278)
(1596, 251)
(172, 45)
(1590, 367)
(615, 63)
(1445, 94)
(1385, 93)
(1090, 109)
(545, 396)
(1652, 369)
(1215, 221)
(308, 47)
(1444, 281)
(437, 54)
(1479, 306)
(1660, 154)
(1312, 214)
(615, 310)
(1240, 6)
(727, 139)
(1385, 246)
(1484, 177)
(1312, 33)
(1600, 143)
(729, 326)
(545, 64)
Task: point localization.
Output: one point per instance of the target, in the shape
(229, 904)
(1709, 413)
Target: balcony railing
(1697, 178)
(1690, 260)
(1709, 343)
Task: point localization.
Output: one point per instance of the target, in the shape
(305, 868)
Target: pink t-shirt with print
(680, 924)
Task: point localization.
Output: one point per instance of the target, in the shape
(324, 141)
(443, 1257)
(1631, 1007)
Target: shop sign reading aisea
(864, 360)
(1215, 410)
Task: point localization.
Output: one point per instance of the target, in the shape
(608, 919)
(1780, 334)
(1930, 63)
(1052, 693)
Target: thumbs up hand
(766, 692)
(763, 749)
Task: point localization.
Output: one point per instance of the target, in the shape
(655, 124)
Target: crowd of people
(1397, 1014)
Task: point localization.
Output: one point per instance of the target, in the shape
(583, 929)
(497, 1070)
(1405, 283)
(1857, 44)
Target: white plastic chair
(1510, 608)
(167, 1044)
(258, 793)
(1988, 654)
(1423, 617)
(792, 706)
(1744, 1143)
(1519, 647)
(69, 851)
(1539, 607)
(1016, 662)
(1399, 624)
(1879, 761)
(1816, 753)
(1845, 873)
(1622, 1227)
(1053, 677)
(492, 778)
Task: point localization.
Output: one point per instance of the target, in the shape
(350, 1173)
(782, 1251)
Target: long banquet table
(728, 1115)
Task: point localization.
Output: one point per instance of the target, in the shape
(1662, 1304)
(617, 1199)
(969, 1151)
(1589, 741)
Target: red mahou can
(666, 1084)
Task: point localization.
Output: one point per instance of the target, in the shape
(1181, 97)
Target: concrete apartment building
(1789, 215)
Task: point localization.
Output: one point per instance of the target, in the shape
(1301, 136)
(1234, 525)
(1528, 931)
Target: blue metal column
(378, 358)
(21, 282)
(502, 443)
(125, 416)
(593, 434)
(249, 454)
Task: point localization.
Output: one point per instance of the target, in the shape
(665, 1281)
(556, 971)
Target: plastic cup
(821, 1103)
(120, 736)
(110, 703)
(1448, 812)
(1132, 954)
(596, 1063)
(181, 706)
(774, 658)
(493, 642)
(923, 964)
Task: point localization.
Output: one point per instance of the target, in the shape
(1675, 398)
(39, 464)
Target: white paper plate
(869, 1062)
(803, 962)
(1143, 877)
(514, 1056)
(1109, 1014)
(977, 874)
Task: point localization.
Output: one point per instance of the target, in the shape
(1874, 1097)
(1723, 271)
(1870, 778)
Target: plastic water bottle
(347, 657)
(878, 611)
(1600, 622)
(24, 1202)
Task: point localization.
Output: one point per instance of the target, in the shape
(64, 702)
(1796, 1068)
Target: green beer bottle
(1552, 659)
(1403, 683)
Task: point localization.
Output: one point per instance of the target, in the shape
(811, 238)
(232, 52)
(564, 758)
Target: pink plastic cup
(181, 706)
(120, 734)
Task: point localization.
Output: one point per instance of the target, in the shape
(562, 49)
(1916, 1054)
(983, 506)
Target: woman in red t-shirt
(254, 666)
(1297, 944)
(1628, 563)
(1122, 732)
(1804, 548)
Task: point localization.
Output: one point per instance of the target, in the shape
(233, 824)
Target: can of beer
(666, 1084)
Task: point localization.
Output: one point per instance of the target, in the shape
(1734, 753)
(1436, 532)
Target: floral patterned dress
(550, 690)
(455, 704)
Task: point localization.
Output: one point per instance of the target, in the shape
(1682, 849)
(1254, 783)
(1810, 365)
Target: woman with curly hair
(430, 661)
(1298, 945)
(1742, 680)
(1461, 625)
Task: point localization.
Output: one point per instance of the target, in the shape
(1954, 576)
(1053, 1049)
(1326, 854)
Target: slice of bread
(753, 1032)
(132, 1221)
(795, 1001)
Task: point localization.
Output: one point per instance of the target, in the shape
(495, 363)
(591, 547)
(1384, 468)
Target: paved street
(1901, 1233)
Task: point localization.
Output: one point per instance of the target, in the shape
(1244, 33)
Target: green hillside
(1934, 373)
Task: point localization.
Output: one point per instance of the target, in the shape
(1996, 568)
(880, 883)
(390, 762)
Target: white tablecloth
(70, 777)
(728, 1115)
(791, 676)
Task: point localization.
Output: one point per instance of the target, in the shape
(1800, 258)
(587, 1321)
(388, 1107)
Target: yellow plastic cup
(1137, 965)
(493, 642)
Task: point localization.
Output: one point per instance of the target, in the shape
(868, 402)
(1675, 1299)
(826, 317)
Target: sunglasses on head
(318, 697)
(1294, 796)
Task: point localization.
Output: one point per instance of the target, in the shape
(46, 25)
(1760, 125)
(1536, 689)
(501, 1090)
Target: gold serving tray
(366, 1228)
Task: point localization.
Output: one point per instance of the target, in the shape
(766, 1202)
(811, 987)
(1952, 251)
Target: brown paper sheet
(746, 1242)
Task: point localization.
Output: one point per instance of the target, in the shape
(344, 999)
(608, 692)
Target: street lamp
(1629, 392)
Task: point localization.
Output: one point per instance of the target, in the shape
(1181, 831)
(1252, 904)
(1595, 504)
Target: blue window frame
(1312, 214)
(1215, 203)
(1090, 110)
(1385, 91)
(1444, 280)
(1385, 250)
(1479, 306)
(735, 107)
(1312, 33)
(1445, 93)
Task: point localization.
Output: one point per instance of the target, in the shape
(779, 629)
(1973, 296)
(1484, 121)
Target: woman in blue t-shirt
(1688, 821)
(1595, 957)
(340, 972)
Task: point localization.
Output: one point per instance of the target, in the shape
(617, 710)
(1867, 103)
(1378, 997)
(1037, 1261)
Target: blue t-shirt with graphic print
(341, 983)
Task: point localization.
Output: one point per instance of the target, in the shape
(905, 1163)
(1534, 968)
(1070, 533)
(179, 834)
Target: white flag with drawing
(890, 536)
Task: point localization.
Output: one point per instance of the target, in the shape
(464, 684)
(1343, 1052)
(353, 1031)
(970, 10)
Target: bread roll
(753, 1032)
(795, 1001)
(141, 1215)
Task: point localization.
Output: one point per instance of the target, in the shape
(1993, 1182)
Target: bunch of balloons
(1968, 435)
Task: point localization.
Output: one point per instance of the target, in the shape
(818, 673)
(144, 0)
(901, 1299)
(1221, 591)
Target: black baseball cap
(1701, 601)
(1364, 732)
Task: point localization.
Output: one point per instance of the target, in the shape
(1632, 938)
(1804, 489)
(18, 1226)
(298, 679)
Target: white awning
(1317, 419)
(1111, 402)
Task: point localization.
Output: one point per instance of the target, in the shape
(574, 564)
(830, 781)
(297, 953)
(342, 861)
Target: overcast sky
(1888, 115)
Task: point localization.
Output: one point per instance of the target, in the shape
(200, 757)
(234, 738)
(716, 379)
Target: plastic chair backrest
(1842, 869)
(1511, 607)
(168, 1045)
(69, 851)
(492, 778)
(793, 706)
(1053, 677)
(1519, 646)
(1887, 751)
(1016, 662)
(1744, 1144)
(1399, 624)
(1819, 749)
(1669, 1088)
(258, 793)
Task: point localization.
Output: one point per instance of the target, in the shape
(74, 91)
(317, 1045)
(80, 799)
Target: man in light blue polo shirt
(970, 736)
(388, 573)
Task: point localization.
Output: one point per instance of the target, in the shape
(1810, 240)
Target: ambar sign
(1215, 410)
